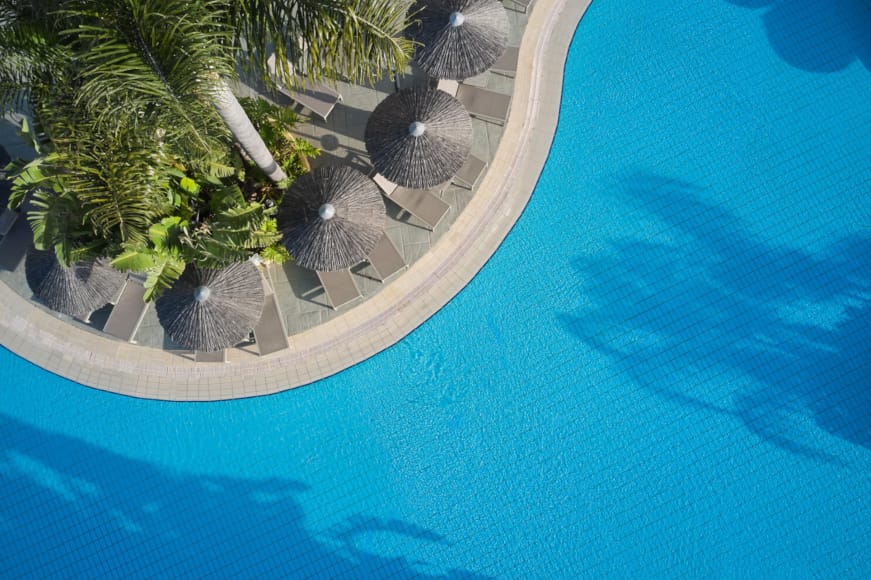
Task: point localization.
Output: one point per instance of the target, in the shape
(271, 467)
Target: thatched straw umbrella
(459, 38)
(210, 310)
(331, 218)
(418, 137)
(76, 291)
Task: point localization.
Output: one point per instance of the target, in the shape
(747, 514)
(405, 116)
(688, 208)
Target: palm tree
(130, 95)
(359, 40)
(132, 48)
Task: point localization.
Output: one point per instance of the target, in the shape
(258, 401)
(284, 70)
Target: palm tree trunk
(246, 135)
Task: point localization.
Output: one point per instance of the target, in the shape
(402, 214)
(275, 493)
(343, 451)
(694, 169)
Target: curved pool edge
(106, 364)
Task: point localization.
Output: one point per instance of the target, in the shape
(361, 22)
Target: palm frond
(157, 63)
(57, 223)
(360, 40)
(161, 268)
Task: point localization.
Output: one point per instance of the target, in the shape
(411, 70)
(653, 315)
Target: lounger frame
(507, 63)
(316, 97)
(340, 288)
(270, 334)
(484, 104)
(385, 259)
(129, 310)
(470, 173)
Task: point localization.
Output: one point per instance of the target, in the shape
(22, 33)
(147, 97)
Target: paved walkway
(352, 336)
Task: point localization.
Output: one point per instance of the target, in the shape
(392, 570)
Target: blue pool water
(663, 371)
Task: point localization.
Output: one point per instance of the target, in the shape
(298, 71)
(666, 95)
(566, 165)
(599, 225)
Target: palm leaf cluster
(135, 161)
(153, 65)
(359, 40)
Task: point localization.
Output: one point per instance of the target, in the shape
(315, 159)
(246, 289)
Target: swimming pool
(662, 371)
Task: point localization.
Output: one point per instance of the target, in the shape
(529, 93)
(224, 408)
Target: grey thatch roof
(209, 310)
(459, 38)
(331, 218)
(418, 137)
(75, 291)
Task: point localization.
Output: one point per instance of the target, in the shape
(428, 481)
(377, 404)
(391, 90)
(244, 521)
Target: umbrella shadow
(352, 158)
(788, 331)
(816, 36)
(346, 120)
(71, 508)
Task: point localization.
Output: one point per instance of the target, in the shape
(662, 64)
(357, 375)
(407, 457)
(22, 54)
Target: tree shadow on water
(71, 509)
(815, 35)
(788, 331)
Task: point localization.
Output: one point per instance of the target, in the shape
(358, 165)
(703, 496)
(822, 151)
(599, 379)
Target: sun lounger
(129, 310)
(218, 356)
(5, 190)
(8, 217)
(270, 333)
(519, 5)
(319, 99)
(385, 259)
(471, 171)
(7, 220)
(482, 103)
(507, 63)
(421, 203)
(14, 245)
(339, 287)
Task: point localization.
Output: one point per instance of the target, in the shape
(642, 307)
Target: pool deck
(360, 332)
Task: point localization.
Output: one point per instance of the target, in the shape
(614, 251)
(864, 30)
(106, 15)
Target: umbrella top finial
(327, 211)
(416, 129)
(202, 293)
(457, 18)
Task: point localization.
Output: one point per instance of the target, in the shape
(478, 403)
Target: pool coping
(430, 283)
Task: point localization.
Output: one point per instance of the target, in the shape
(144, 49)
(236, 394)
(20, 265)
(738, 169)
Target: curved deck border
(111, 365)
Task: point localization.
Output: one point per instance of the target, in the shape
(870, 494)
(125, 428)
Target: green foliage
(274, 124)
(27, 177)
(161, 268)
(134, 161)
(360, 40)
(209, 239)
(152, 66)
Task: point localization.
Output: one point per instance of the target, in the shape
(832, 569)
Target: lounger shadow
(129, 310)
(339, 287)
(421, 203)
(482, 103)
(319, 99)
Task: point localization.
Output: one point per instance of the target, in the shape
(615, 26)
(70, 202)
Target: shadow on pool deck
(814, 35)
(75, 510)
(721, 321)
